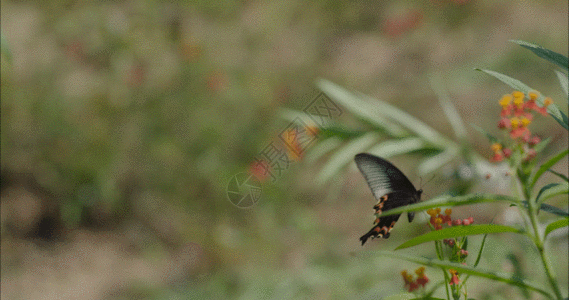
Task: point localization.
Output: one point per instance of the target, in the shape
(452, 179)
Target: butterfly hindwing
(390, 187)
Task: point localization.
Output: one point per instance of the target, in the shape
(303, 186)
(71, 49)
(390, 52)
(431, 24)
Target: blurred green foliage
(131, 117)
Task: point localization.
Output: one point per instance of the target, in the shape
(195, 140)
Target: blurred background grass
(123, 121)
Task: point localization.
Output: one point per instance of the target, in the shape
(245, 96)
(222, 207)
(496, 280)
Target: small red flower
(454, 279)
(260, 169)
(534, 140)
(497, 157)
(507, 152)
(504, 123)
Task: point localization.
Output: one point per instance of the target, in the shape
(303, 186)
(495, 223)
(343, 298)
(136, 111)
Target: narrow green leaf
(556, 225)
(366, 111)
(450, 111)
(551, 190)
(549, 208)
(541, 145)
(446, 200)
(338, 131)
(457, 231)
(545, 188)
(552, 109)
(345, 155)
(550, 163)
(413, 124)
(563, 81)
(479, 272)
(322, 148)
(391, 148)
(559, 174)
(551, 56)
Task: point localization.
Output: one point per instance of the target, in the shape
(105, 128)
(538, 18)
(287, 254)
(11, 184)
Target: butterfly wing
(382, 177)
(390, 187)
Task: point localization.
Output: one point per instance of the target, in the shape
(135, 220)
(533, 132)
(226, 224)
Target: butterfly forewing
(390, 187)
(381, 176)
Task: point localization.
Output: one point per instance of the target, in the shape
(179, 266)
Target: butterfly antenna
(433, 177)
(421, 184)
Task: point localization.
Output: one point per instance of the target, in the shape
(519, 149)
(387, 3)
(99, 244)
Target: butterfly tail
(377, 230)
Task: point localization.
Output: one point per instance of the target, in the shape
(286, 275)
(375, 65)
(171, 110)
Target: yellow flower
(547, 101)
(505, 101)
(448, 211)
(518, 94)
(519, 102)
(533, 95)
(496, 147)
(525, 121)
(515, 122)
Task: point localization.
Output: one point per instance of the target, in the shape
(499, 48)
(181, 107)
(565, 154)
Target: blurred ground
(122, 123)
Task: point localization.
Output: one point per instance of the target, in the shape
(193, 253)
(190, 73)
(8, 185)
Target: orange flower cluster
(516, 116)
(410, 283)
(438, 219)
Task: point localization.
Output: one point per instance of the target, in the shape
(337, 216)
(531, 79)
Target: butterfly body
(390, 187)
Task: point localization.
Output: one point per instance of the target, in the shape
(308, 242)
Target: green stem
(439, 251)
(539, 243)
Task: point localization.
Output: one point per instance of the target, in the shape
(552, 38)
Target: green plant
(407, 135)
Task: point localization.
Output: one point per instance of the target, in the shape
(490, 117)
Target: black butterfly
(390, 187)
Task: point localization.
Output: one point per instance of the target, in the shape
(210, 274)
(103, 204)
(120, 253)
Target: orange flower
(454, 279)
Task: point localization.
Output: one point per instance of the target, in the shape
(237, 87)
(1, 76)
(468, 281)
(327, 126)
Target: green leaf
(490, 137)
(338, 131)
(345, 155)
(479, 272)
(552, 161)
(457, 231)
(369, 112)
(563, 81)
(391, 148)
(552, 190)
(551, 56)
(411, 123)
(322, 148)
(541, 145)
(552, 109)
(5, 48)
(543, 189)
(550, 209)
(479, 256)
(450, 111)
(559, 174)
(556, 225)
(447, 200)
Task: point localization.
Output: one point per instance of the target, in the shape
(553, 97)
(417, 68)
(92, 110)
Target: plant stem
(539, 243)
